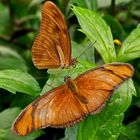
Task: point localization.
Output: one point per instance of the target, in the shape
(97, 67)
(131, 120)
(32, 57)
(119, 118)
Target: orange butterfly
(70, 103)
(52, 48)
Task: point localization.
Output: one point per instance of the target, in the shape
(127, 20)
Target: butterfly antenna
(68, 72)
(86, 50)
(50, 84)
(82, 65)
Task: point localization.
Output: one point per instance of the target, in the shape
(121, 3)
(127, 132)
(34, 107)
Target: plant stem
(112, 7)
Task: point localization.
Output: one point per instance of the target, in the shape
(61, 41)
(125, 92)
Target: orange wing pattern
(64, 105)
(52, 48)
(58, 108)
(98, 84)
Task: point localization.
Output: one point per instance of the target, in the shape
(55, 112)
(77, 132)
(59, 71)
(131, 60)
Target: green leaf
(10, 59)
(97, 31)
(2, 133)
(84, 52)
(107, 124)
(12, 63)
(116, 28)
(5, 17)
(131, 131)
(7, 118)
(18, 7)
(18, 81)
(89, 4)
(71, 133)
(130, 48)
(22, 100)
(6, 51)
(35, 2)
(132, 89)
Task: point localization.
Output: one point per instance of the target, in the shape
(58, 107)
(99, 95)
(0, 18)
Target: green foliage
(17, 81)
(116, 28)
(131, 47)
(12, 60)
(18, 28)
(3, 15)
(131, 131)
(97, 31)
(92, 5)
(71, 133)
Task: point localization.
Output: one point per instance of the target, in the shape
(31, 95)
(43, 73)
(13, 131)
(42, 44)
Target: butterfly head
(74, 61)
(71, 84)
(67, 78)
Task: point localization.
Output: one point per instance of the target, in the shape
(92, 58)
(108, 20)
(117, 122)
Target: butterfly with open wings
(71, 102)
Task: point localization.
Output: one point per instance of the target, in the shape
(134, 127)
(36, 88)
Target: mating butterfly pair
(70, 103)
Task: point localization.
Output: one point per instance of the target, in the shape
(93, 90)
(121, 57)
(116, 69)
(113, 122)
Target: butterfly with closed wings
(52, 47)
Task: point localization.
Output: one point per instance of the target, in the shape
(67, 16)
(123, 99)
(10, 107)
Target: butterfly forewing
(52, 48)
(64, 105)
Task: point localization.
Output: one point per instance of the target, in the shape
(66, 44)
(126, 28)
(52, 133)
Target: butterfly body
(74, 89)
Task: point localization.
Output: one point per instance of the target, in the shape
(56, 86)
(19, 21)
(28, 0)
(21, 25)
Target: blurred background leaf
(131, 131)
(12, 60)
(130, 48)
(19, 25)
(17, 81)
